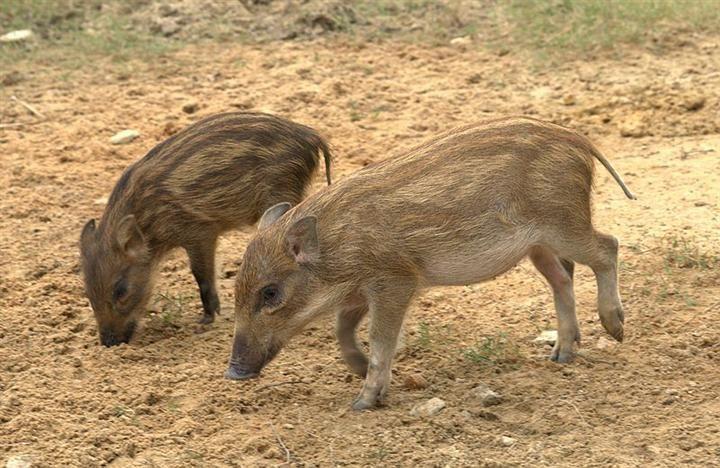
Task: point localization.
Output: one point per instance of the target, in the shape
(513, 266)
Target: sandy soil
(161, 401)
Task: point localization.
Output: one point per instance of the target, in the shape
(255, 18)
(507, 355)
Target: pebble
(190, 107)
(17, 36)
(507, 441)
(415, 382)
(101, 201)
(124, 137)
(547, 337)
(634, 127)
(464, 40)
(604, 343)
(485, 395)
(569, 100)
(694, 103)
(165, 26)
(12, 78)
(428, 408)
(19, 461)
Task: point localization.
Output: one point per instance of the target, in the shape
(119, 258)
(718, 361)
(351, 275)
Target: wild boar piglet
(459, 209)
(218, 174)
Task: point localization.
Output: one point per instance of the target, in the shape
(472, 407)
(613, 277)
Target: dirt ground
(653, 400)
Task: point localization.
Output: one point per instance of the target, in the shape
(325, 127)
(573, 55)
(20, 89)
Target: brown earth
(161, 401)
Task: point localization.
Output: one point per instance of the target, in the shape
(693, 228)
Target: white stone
(547, 337)
(464, 40)
(507, 441)
(126, 136)
(16, 36)
(485, 395)
(19, 461)
(429, 408)
(604, 343)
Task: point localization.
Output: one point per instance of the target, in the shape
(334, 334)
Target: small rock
(693, 103)
(168, 10)
(485, 395)
(569, 100)
(429, 408)
(547, 337)
(670, 400)
(487, 415)
(690, 444)
(464, 40)
(507, 441)
(415, 382)
(604, 343)
(130, 449)
(17, 36)
(701, 203)
(124, 137)
(165, 26)
(12, 78)
(101, 201)
(288, 426)
(475, 78)
(19, 461)
(190, 107)
(246, 104)
(634, 127)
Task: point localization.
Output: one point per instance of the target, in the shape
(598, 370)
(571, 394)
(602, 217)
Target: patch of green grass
(681, 252)
(69, 33)
(418, 20)
(434, 338)
(172, 307)
(423, 336)
(493, 351)
(561, 26)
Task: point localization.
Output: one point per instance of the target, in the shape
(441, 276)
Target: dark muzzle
(113, 337)
(247, 360)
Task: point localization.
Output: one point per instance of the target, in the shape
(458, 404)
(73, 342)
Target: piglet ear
(302, 240)
(273, 213)
(129, 238)
(87, 232)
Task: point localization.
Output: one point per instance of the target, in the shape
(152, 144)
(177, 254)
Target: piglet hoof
(562, 355)
(206, 319)
(358, 363)
(361, 404)
(613, 321)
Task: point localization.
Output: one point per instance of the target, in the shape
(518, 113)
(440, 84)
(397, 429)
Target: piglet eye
(120, 291)
(270, 295)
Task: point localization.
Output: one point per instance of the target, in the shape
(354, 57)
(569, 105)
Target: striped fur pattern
(218, 174)
(459, 209)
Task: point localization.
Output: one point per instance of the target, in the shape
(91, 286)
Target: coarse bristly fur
(459, 209)
(218, 174)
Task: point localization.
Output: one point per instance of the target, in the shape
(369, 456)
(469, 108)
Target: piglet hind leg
(610, 306)
(388, 303)
(599, 252)
(559, 274)
(202, 264)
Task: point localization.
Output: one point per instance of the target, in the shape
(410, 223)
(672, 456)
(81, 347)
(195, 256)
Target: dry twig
(289, 382)
(27, 106)
(282, 444)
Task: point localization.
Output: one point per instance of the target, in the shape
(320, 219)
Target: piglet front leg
(388, 302)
